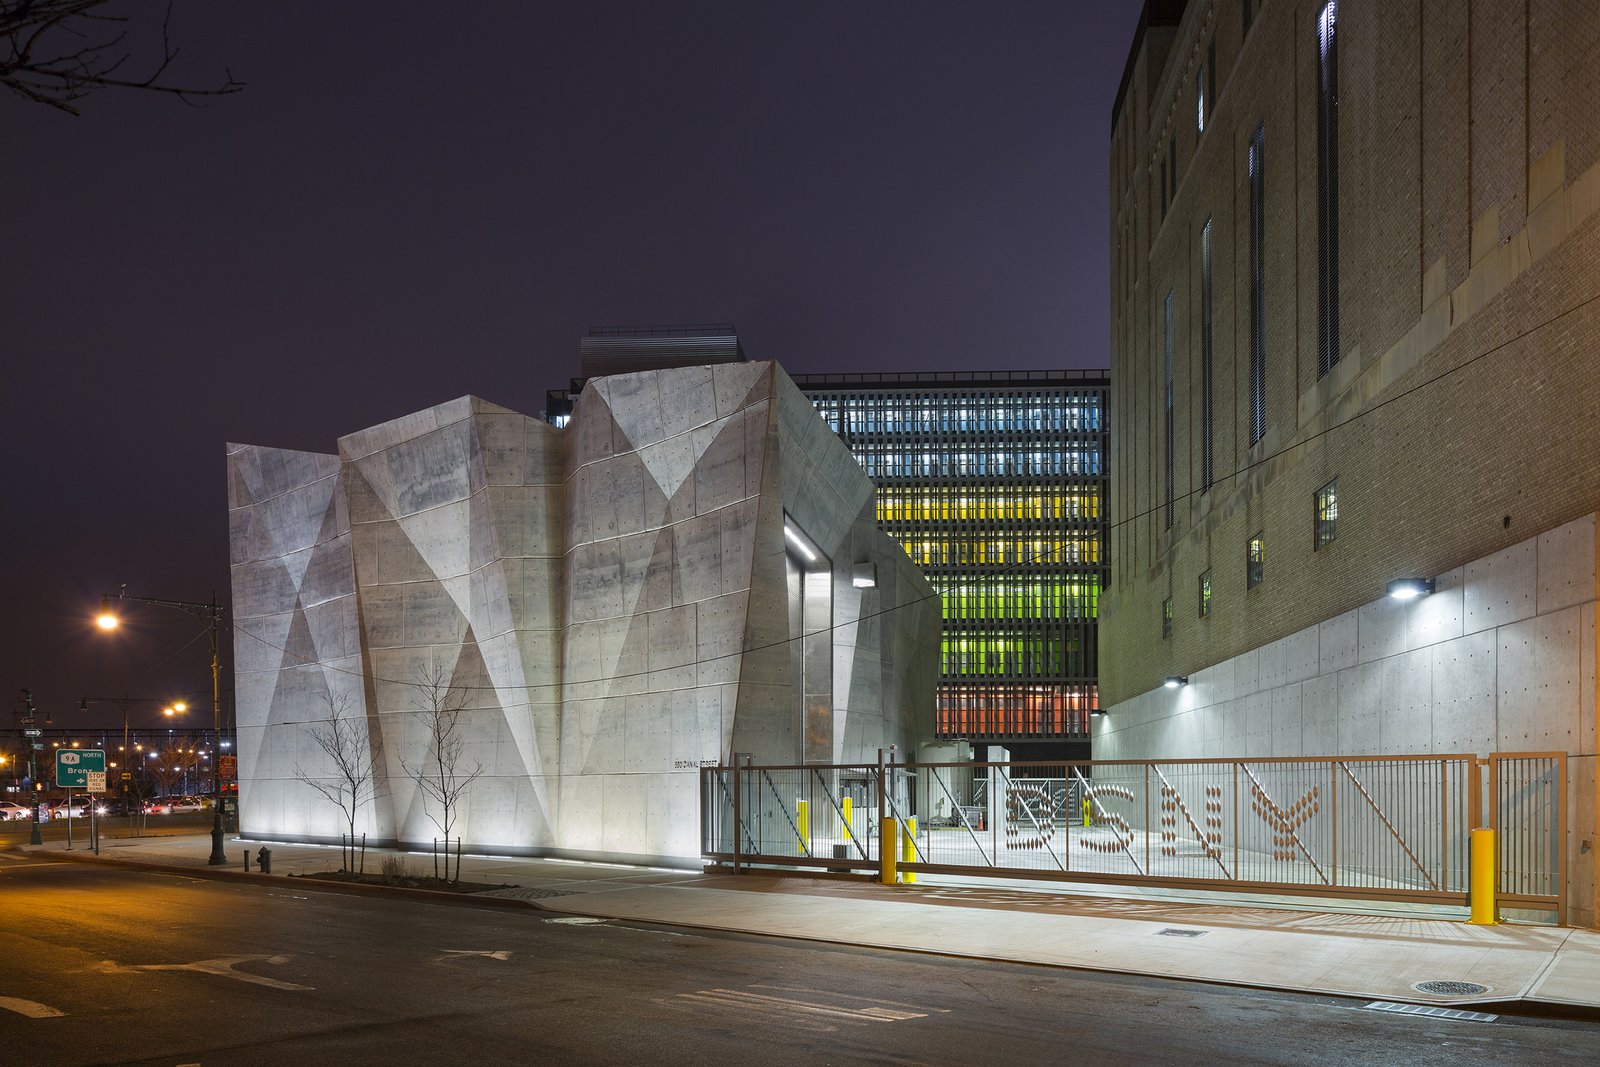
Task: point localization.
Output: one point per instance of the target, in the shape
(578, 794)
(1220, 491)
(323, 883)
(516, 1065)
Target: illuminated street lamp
(107, 620)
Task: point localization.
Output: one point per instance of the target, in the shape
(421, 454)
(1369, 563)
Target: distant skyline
(401, 209)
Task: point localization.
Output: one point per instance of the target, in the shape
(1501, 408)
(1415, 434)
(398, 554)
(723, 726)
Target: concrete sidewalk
(1377, 957)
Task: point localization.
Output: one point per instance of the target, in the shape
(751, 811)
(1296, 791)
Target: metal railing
(1379, 827)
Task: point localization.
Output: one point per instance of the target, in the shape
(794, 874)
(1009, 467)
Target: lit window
(1205, 594)
(1327, 528)
(1255, 561)
(1166, 617)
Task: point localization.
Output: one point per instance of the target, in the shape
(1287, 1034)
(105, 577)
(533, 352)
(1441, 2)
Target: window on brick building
(1258, 308)
(1205, 88)
(1207, 471)
(1255, 561)
(1172, 164)
(1167, 360)
(1166, 618)
(1327, 187)
(1205, 593)
(1327, 515)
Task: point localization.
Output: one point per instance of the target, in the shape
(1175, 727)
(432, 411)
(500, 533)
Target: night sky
(409, 203)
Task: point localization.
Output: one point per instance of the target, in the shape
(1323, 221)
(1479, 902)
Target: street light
(107, 620)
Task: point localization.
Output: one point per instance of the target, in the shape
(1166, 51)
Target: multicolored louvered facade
(995, 484)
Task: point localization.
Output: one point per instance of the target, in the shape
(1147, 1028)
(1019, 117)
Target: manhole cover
(1174, 932)
(1451, 989)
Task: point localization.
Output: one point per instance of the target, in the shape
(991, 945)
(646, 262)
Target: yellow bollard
(847, 804)
(888, 837)
(802, 818)
(908, 849)
(1484, 871)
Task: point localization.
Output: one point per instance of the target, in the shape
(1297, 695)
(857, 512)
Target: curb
(224, 874)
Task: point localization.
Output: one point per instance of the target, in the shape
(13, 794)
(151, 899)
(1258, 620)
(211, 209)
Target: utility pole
(31, 731)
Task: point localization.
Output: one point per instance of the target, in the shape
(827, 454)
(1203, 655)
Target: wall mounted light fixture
(1410, 588)
(1176, 680)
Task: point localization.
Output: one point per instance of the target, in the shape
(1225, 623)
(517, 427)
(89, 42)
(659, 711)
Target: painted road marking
(782, 1006)
(223, 966)
(31, 1008)
(576, 920)
(458, 953)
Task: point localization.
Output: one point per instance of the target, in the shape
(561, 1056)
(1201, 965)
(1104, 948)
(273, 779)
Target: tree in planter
(344, 739)
(442, 771)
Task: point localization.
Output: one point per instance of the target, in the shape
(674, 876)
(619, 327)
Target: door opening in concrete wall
(810, 583)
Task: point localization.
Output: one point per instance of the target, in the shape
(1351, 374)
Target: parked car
(119, 806)
(78, 810)
(10, 812)
(172, 806)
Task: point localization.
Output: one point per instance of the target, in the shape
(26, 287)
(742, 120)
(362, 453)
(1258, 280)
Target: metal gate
(1374, 827)
(1527, 808)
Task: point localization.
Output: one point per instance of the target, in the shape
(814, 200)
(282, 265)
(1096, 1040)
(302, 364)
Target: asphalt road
(171, 969)
(16, 832)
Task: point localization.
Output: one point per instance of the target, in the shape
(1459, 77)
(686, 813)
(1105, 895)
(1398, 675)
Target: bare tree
(173, 761)
(351, 752)
(442, 771)
(56, 51)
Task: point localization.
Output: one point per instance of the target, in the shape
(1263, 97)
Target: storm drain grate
(1173, 931)
(1451, 989)
(1430, 1011)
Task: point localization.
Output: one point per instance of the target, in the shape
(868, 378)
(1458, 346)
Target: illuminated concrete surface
(666, 581)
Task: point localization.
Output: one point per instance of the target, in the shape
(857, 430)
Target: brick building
(1356, 262)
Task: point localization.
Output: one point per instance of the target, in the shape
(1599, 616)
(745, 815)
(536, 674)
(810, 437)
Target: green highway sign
(74, 764)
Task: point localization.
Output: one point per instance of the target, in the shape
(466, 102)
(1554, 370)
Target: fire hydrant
(264, 860)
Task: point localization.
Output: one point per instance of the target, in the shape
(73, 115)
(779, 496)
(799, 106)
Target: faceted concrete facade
(618, 602)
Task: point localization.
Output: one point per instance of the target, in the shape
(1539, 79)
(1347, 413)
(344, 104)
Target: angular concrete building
(691, 569)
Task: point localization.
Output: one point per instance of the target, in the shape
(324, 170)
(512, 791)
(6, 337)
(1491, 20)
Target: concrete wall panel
(1502, 588)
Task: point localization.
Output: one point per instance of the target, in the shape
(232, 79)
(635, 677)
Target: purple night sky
(411, 202)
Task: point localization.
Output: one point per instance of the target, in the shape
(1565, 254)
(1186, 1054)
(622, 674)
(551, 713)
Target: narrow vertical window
(1255, 561)
(1167, 377)
(1206, 411)
(1211, 73)
(1327, 188)
(1172, 165)
(1327, 515)
(1205, 593)
(1249, 15)
(1166, 618)
(1258, 310)
(1200, 100)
